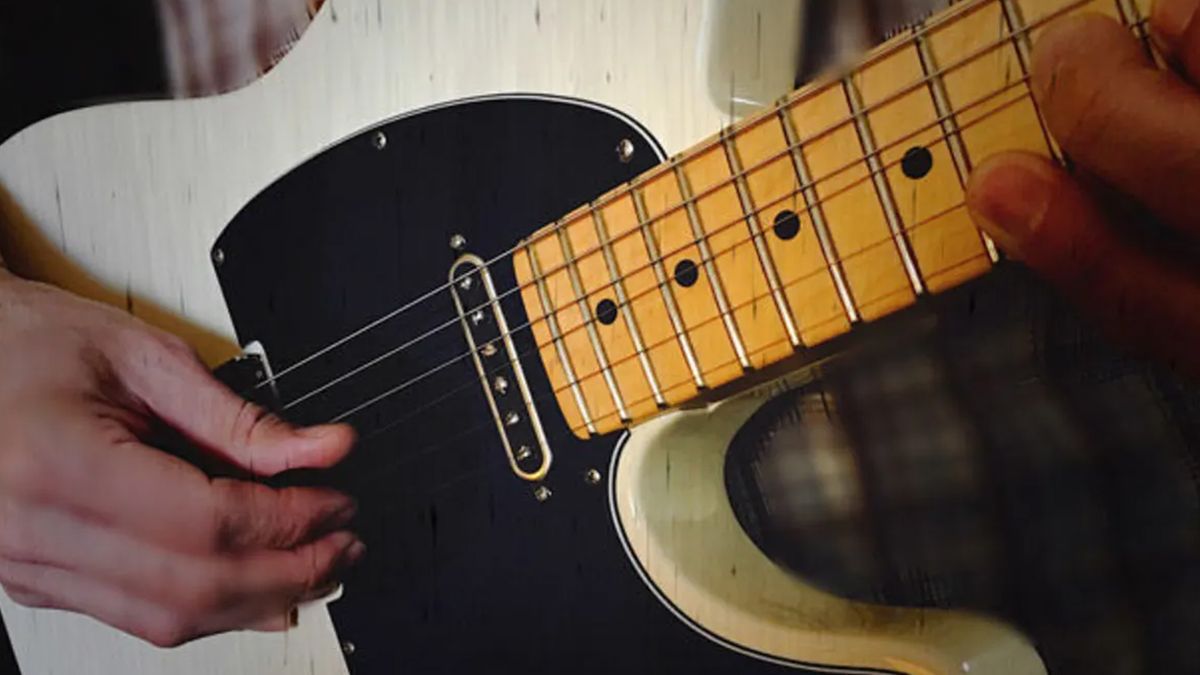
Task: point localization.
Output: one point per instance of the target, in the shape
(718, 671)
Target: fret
(816, 215)
(669, 230)
(950, 132)
(626, 309)
(1023, 42)
(882, 189)
(550, 320)
(664, 285)
(841, 183)
(760, 243)
(918, 168)
(589, 324)
(709, 266)
(1132, 14)
(993, 104)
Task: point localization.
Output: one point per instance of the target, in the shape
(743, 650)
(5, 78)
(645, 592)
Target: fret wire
(1019, 35)
(816, 214)
(1131, 16)
(564, 359)
(714, 282)
(618, 285)
(760, 244)
(950, 131)
(882, 189)
(593, 335)
(660, 275)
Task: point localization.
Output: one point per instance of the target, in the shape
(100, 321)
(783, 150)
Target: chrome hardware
(500, 385)
(522, 435)
(625, 150)
(592, 477)
(218, 257)
(379, 140)
(458, 242)
(542, 493)
(348, 647)
(466, 283)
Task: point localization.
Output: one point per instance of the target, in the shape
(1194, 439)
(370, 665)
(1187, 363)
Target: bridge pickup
(499, 369)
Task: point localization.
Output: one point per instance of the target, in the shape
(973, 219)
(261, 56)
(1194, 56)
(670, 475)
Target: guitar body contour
(469, 568)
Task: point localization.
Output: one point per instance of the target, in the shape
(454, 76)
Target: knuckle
(167, 633)
(249, 419)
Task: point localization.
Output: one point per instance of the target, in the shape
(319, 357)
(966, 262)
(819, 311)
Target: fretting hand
(95, 520)
(1130, 126)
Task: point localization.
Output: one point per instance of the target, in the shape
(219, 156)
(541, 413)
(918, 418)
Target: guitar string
(815, 89)
(529, 352)
(793, 196)
(553, 437)
(651, 262)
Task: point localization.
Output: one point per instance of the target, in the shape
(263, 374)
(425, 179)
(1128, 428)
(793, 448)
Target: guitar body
(634, 561)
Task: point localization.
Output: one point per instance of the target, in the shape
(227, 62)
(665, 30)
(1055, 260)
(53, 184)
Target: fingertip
(1171, 19)
(322, 446)
(1077, 39)
(1008, 195)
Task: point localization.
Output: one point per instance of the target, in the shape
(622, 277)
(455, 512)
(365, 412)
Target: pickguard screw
(348, 647)
(218, 257)
(379, 140)
(542, 493)
(592, 477)
(458, 242)
(625, 150)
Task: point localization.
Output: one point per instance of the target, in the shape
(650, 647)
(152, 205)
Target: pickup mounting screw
(488, 349)
(458, 242)
(625, 150)
(500, 385)
(477, 317)
(466, 283)
(524, 453)
(592, 477)
(511, 419)
(542, 493)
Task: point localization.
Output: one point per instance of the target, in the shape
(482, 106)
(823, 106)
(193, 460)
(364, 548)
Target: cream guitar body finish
(124, 203)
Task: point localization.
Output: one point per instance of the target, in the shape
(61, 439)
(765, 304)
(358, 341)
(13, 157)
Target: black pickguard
(466, 571)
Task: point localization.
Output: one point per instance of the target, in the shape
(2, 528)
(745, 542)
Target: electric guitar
(545, 329)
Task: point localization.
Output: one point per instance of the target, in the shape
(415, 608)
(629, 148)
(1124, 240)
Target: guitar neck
(841, 204)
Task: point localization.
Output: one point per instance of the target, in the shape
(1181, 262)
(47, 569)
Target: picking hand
(95, 520)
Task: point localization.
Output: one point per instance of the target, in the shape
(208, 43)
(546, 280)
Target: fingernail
(317, 433)
(353, 554)
(1008, 199)
(1170, 18)
(340, 516)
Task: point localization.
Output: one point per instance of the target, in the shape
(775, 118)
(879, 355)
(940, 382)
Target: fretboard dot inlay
(686, 273)
(787, 225)
(606, 312)
(917, 162)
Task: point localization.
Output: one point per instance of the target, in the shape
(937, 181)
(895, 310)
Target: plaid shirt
(1009, 461)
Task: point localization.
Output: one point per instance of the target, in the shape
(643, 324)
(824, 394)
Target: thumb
(169, 380)
(1040, 215)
